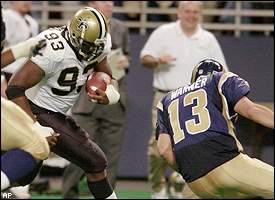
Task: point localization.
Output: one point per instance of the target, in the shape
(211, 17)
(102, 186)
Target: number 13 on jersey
(200, 110)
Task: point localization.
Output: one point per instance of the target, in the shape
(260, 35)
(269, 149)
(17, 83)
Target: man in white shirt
(172, 50)
(20, 26)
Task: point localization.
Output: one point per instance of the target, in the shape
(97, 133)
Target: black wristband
(15, 91)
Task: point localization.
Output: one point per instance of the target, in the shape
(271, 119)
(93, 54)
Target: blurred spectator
(19, 27)
(98, 120)
(172, 50)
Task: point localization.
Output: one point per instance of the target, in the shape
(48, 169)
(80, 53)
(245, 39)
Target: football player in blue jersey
(196, 136)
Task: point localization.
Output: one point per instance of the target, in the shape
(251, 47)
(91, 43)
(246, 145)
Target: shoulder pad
(56, 44)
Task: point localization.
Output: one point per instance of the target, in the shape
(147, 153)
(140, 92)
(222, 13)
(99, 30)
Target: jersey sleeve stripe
(225, 110)
(160, 105)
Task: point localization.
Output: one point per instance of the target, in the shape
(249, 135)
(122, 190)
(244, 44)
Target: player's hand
(52, 139)
(99, 97)
(110, 96)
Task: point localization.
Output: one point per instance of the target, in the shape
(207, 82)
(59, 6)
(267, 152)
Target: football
(97, 80)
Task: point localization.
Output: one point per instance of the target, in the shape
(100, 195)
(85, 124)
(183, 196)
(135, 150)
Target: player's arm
(17, 86)
(164, 141)
(27, 76)
(235, 89)
(111, 95)
(166, 150)
(103, 66)
(255, 112)
(27, 48)
(7, 58)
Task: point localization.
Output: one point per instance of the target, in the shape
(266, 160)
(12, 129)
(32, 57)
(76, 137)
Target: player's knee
(101, 164)
(92, 177)
(97, 163)
(18, 164)
(28, 178)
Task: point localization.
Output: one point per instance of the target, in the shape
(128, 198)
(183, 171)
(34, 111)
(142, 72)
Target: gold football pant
(17, 131)
(241, 177)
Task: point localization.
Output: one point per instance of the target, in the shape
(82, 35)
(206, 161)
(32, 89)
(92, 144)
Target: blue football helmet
(206, 67)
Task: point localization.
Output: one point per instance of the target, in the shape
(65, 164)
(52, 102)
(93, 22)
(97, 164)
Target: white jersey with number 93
(64, 73)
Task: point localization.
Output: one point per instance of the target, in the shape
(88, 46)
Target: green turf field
(123, 194)
(85, 193)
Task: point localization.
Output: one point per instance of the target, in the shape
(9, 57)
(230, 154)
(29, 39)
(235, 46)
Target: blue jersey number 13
(199, 110)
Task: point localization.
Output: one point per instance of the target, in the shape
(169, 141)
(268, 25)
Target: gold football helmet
(88, 32)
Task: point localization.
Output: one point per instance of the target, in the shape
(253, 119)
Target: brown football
(97, 80)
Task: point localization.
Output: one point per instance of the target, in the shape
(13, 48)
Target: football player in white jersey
(22, 141)
(71, 54)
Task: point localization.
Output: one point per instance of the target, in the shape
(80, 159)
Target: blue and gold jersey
(199, 120)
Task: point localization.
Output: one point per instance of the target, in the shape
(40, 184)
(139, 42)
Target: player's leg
(89, 157)
(17, 131)
(157, 165)
(23, 146)
(74, 145)
(254, 176)
(73, 174)
(15, 164)
(241, 177)
(107, 132)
